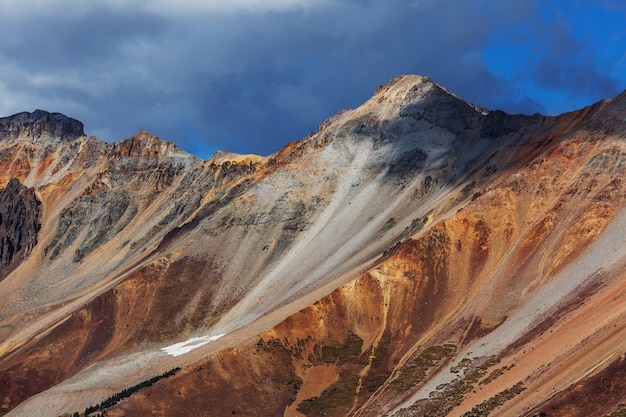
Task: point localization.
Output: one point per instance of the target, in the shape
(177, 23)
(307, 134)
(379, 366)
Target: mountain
(418, 255)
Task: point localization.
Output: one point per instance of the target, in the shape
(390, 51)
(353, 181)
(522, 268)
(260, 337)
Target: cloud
(211, 7)
(251, 75)
(165, 8)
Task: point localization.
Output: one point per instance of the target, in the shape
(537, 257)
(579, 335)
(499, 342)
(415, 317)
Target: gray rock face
(19, 223)
(39, 124)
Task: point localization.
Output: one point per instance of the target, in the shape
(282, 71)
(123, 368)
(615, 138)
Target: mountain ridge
(417, 224)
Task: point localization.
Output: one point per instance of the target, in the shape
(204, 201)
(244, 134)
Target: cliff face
(19, 223)
(416, 256)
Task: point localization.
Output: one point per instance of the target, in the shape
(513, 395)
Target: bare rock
(19, 223)
(40, 124)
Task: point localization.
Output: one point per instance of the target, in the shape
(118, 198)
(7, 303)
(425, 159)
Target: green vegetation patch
(339, 396)
(380, 373)
(116, 398)
(330, 354)
(416, 370)
(370, 383)
(486, 407)
(380, 351)
(351, 349)
(494, 374)
(447, 396)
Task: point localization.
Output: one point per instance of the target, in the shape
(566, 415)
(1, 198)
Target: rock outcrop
(19, 224)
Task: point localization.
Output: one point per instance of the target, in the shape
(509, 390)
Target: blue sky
(249, 76)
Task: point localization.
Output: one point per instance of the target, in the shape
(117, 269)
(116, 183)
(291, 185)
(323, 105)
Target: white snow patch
(178, 349)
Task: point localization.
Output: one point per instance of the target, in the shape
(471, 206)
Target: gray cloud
(250, 76)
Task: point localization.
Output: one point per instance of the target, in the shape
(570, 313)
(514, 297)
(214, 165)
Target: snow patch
(178, 349)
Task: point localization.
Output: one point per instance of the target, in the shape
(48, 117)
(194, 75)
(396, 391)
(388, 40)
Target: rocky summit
(416, 256)
(40, 124)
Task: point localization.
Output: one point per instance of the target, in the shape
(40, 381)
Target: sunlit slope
(404, 236)
(512, 305)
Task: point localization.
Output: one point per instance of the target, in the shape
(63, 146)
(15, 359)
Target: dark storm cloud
(250, 76)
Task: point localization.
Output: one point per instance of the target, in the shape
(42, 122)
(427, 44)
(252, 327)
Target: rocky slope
(416, 256)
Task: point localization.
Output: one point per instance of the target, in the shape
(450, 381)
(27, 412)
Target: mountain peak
(409, 78)
(144, 144)
(415, 87)
(40, 124)
(405, 105)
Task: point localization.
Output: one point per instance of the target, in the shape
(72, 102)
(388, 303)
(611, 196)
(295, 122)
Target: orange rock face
(416, 256)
